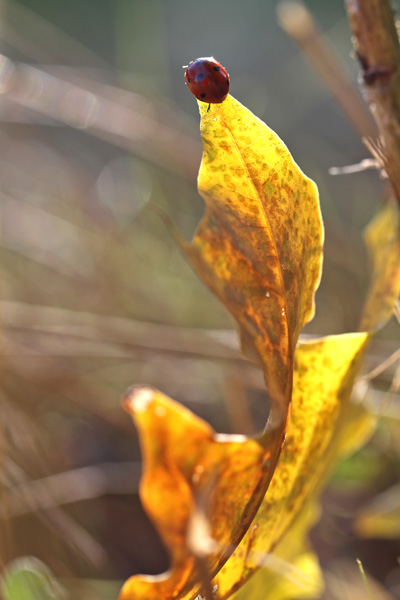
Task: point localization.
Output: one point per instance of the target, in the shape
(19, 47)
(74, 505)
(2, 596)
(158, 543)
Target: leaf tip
(137, 398)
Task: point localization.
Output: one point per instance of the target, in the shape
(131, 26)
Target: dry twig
(377, 48)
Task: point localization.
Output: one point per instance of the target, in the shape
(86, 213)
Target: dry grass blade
(367, 163)
(70, 486)
(57, 321)
(119, 117)
(58, 521)
(388, 362)
(377, 47)
(298, 22)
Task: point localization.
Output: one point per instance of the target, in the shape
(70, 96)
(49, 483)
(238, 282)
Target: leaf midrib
(265, 215)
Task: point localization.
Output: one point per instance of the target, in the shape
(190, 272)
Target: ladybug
(207, 79)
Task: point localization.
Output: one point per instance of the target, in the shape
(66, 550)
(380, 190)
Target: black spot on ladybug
(203, 95)
(216, 68)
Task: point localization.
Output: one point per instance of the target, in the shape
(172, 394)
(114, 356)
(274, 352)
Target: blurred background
(96, 127)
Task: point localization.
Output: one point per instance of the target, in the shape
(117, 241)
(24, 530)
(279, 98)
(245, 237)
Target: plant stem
(298, 22)
(364, 578)
(377, 47)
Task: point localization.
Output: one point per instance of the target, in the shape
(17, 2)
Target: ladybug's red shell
(207, 79)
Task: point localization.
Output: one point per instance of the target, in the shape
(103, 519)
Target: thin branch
(298, 22)
(377, 47)
(388, 362)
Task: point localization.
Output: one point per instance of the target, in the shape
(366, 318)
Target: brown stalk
(298, 22)
(377, 48)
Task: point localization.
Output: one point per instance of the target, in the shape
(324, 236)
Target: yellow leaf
(292, 571)
(383, 241)
(259, 244)
(324, 375)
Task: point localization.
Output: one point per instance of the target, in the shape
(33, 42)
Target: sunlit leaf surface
(292, 571)
(259, 245)
(324, 375)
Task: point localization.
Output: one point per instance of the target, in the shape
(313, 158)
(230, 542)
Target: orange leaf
(189, 470)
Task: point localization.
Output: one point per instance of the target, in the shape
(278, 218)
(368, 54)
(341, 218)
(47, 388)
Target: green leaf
(27, 578)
